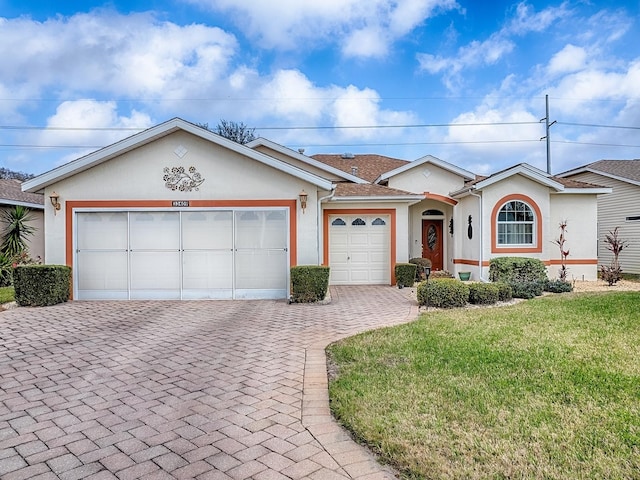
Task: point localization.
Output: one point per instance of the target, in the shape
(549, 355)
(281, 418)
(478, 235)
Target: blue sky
(462, 80)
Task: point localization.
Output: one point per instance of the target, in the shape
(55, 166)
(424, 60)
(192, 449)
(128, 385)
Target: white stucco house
(178, 212)
(620, 209)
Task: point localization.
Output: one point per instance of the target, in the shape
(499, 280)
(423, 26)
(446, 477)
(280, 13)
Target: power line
(597, 125)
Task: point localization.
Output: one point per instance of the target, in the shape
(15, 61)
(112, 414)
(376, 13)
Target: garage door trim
(362, 211)
(72, 207)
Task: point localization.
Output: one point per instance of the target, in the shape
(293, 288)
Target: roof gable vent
(348, 155)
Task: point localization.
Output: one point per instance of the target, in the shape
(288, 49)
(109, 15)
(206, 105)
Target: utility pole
(547, 137)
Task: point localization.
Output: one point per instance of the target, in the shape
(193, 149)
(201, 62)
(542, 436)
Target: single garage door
(359, 249)
(191, 254)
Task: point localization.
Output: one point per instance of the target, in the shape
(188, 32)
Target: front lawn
(6, 295)
(548, 388)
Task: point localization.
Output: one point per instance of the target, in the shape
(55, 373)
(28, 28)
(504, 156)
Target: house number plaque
(180, 203)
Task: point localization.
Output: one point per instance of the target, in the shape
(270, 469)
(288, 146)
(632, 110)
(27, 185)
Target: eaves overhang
(147, 136)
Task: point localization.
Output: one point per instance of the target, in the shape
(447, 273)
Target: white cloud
(294, 24)
(569, 59)
(492, 50)
(127, 55)
(76, 116)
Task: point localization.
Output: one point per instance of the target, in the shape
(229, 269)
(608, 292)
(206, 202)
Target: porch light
(303, 200)
(54, 197)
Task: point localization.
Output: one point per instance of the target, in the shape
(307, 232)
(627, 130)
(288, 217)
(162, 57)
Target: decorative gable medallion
(180, 151)
(176, 178)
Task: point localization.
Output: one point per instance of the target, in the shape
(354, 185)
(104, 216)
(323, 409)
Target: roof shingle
(11, 193)
(367, 166)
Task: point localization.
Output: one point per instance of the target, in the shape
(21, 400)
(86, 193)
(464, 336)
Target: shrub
(443, 293)
(517, 269)
(527, 289)
(558, 286)
(405, 274)
(421, 263)
(41, 285)
(505, 293)
(309, 283)
(483, 293)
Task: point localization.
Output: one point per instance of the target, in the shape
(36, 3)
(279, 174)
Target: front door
(432, 245)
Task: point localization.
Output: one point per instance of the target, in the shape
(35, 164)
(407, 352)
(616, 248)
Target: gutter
(482, 279)
(319, 219)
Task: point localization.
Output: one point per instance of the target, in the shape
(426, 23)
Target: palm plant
(17, 230)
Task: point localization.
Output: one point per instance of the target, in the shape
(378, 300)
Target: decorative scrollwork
(176, 178)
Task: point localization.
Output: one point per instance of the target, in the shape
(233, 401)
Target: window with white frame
(516, 224)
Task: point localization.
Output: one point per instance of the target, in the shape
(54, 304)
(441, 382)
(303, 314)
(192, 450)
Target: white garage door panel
(359, 249)
(191, 254)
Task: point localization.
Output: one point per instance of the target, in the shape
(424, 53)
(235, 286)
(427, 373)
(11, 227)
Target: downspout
(482, 279)
(319, 218)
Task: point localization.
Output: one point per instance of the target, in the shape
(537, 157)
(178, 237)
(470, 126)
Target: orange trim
(575, 261)
(464, 261)
(361, 211)
(71, 204)
(537, 248)
(440, 198)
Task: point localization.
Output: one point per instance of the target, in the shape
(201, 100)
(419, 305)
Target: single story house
(619, 209)
(11, 194)
(178, 212)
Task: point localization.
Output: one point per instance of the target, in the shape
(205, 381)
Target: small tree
(236, 131)
(563, 253)
(613, 272)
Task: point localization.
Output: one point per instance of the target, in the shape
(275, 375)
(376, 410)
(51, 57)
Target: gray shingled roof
(629, 169)
(11, 194)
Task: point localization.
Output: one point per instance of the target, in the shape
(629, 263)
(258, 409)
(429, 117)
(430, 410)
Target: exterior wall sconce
(54, 197)
(303, 200)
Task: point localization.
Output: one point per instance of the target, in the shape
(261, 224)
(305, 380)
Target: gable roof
(465, 174)
(147, 136)
(369, 166)
(560, 185)
(11, 194)
(623, 170)
(305, 159)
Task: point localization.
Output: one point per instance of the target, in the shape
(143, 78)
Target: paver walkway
(204, 390)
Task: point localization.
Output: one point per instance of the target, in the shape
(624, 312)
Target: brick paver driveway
(206, 390)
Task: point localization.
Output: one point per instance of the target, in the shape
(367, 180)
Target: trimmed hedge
(483, 293)
(517, 269)
(443, 293)
(527, 289)
(309, 283)
(505, 293)
(558, 286)
(41, 285)
(405, 274)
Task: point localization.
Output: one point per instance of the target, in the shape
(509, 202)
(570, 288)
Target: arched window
(358, 222)
(338, 222)
(516, 224)
(432, 212)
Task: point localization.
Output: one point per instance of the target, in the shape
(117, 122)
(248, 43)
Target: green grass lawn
(6, 294)
(548, 388)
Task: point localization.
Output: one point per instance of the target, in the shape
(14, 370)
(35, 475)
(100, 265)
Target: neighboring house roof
(11, 194)
(560, 185)
(305, 159)
(367, 166)
(353, 191)
(623, 170)
(465, 174)
(154, 133)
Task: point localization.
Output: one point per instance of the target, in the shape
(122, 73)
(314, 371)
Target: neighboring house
(11, 194)
(620, 209)
(178, 212)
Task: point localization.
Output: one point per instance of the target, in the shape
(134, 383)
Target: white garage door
(240, 253)
(359, 249)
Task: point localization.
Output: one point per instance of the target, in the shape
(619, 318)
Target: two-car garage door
(189, 254)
